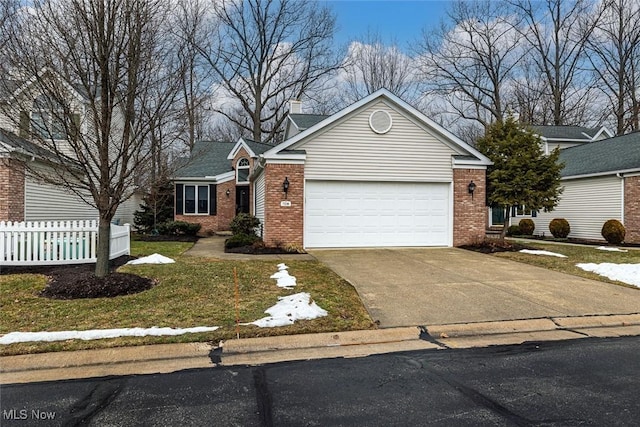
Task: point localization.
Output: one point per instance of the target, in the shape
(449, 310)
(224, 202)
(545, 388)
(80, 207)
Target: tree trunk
(104, 242)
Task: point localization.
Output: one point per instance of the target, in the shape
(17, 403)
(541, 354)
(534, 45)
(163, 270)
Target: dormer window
(242, 171)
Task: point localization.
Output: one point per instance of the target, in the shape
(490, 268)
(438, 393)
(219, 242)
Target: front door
(242, 199)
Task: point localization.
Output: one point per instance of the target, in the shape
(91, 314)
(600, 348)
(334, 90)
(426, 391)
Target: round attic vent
(380, 121)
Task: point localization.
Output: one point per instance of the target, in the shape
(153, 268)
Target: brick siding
(11, 190)
(632, 209)
(225, 211)
(284, 224)
(469, 214)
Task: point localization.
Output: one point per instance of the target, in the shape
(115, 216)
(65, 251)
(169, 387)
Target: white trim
(382, 93)
(380, 131)
(591, 175)
(603, 129)
(285, 161)
(224, 177)
(468, 166)
(236, 148)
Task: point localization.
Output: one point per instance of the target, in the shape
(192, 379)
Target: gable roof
(305, 121)
(14, 143)
(208, 159)
(476, 157)
(604, 157)
(253, 148)
(573, 133)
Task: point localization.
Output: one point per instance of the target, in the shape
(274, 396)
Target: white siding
(259, 198)
(350, 150)
(46, 202)
(124, 213)
(586, 203)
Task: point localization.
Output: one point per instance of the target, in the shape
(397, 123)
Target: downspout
(619, 175)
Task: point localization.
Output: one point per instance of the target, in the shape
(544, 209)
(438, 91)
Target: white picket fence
(57, 242)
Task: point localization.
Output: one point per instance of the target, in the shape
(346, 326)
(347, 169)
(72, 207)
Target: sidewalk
(166, 358)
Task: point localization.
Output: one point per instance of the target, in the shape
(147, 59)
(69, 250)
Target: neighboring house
(378, 173)
(568, 136)
(22, 196)
(213, 186)
(552, 137)
(601, 181)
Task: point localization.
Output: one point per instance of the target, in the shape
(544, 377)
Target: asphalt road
(581, 382)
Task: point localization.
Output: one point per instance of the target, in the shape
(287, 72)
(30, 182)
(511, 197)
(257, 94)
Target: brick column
(11, 190)
(284, 224)
(469, 214)
(632, 209)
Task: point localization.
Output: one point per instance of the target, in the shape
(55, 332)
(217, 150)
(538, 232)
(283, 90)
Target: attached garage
(376, 174)
(376, 214)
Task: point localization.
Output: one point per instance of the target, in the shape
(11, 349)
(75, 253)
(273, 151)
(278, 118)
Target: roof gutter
(617, 173)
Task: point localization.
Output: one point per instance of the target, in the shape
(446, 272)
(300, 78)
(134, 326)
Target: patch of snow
(536, 252)
(610, 249)
(627, 273)
(289, 309)
(96, 334)
(152, 259)
(285, 280)
(282, 266)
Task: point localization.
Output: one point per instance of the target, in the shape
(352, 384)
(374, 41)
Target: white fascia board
(469, 166)
(223, 177)
(381, 93)
(602, 130)
(586, 139)
(240, 144)
(285, 156)
(285, 161)
(597, 174)
(468, 163)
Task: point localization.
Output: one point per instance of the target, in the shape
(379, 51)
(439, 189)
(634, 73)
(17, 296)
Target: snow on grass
(96, 334)
(289, 309)
(610, 249)
(152, 259)
(537, 252)
(627, 273)
(285, 280)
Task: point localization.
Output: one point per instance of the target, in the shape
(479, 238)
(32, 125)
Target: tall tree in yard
(269, 52)
(521, 175)
(102, 72)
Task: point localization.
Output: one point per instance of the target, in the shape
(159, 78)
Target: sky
(401, 21)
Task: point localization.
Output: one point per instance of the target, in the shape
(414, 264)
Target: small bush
(560, 228)
(179, 228)
(244, 224)
(238, 240)
(527, 226)
(513, 230)
(613, 232)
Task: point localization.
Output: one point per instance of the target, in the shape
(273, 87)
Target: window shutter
(76, 125)
(179, 199)
(24, 124)
(213, 196)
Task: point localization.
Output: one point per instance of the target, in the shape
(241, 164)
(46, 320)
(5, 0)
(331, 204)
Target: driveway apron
(423, 286)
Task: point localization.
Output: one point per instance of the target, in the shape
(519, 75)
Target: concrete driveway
(426, 286)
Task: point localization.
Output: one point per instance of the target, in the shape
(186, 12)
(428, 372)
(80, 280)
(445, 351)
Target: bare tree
(268, 53)
(557, 32)
(614, 52)
(472, 62)
(98, 69)
(372, 65)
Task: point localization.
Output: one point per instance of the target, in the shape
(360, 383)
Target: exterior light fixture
(285, 185)
(228, 192)
(472, 188)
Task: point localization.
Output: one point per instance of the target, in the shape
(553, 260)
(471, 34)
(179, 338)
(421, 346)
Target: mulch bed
(490, 246)
(78, 281)
(257, 250)
(162, 238)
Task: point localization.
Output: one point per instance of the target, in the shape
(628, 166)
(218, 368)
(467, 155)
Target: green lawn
(575, 255)
(192, 292)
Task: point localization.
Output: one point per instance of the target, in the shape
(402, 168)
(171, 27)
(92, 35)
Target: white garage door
(372, 214)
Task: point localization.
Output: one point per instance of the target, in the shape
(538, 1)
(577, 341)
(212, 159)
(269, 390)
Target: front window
(196, 199)
(47, 125)
(242, 171)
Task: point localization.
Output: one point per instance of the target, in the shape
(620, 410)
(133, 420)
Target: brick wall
(632, 209)
(469, 214)
(284, 224)
(11, 190)
(225, 211)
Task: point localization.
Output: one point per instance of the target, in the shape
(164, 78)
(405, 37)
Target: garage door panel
(358, 214)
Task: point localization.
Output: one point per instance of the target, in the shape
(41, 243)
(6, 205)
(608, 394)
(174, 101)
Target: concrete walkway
(423, 286)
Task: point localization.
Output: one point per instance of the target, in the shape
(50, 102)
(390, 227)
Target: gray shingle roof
(608, 155)
(257, 147)
(565, 132)
(305, 121)
(24, 146)
(208, 158)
